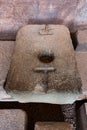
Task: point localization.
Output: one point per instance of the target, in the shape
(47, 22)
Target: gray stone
(12, 119)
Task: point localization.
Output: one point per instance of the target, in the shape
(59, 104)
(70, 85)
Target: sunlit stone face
(43, 61)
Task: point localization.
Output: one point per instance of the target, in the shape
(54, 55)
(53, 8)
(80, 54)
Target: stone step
(12, 119)
(53, 126)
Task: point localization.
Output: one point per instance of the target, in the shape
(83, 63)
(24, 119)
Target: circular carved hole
(46, 57)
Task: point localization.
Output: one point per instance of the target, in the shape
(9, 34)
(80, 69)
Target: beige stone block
(31, 43)
(53, 126)
(12, 119)
(40, 47)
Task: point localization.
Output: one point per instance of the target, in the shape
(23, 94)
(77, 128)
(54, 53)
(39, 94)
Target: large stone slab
(14, 14)
(32, 42)
(53, 126)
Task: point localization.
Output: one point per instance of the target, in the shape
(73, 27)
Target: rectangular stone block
(41, 48)
(12, 119)
(53, 126)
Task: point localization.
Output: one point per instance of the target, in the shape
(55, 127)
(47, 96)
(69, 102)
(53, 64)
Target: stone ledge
(53, 126)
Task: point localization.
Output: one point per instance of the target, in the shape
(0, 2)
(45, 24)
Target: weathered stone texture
(82, 67)
(82, 37)
(6, 49)
(81, 56)
(30, 43)
(17, 13)
(12, 119)
(53, 126)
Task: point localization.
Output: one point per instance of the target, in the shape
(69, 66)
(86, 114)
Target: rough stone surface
(8, 44)
(17, 13)
(82, 67)
(6, 49)
(82, 37)
(81, 59)
(53, 126)
(86, 107)
(12, 119)
(81, 56)
(69, 112)
(31, 41)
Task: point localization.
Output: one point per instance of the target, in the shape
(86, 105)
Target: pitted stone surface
(12, 119)
(29, 44)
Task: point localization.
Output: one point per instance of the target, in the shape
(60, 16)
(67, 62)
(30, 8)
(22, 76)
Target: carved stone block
(44, 62)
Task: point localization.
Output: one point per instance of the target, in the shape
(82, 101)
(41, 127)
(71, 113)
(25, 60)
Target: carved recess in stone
(29, 73)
